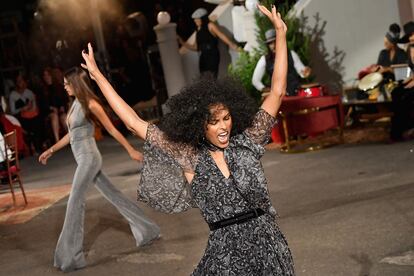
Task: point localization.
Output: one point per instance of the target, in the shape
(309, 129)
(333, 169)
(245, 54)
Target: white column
(170, 57)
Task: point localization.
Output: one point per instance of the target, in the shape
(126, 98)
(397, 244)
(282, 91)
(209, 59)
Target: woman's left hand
(136, 155)
(90, 63)
(275, 18)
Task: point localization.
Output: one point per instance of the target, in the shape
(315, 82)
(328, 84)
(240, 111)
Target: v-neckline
(70, 114)
(217, 167)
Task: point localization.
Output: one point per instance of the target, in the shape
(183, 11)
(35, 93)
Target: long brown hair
(82, 90)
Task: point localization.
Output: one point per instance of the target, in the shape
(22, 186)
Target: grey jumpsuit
(69, 250)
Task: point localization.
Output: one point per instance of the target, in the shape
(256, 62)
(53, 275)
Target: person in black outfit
(207, 43)
(392, 54)
(53, 104)
(402, 123)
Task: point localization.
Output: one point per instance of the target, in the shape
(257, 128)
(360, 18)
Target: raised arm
(132, 121)
(272, 102)
(189, 46)
(216, 31)
(101, 115)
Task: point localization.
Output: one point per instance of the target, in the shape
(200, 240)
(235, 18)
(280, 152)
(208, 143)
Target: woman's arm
(216, 31)
(258, 74)
(132, 121)
(56, 147)
(187, 45)
(12, 104)
(301, 69)
(101, 115)
(272, 102)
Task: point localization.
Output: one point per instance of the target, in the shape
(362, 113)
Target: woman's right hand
(45, 156)
(136, 155)
(90, 63)
(180, 40)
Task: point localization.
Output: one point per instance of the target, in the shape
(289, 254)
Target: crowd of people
(37, 109)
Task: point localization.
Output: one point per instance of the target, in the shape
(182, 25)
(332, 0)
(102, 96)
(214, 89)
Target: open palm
(90, 63)
(274, 17)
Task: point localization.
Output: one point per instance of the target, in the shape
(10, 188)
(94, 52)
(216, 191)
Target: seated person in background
(23, 105)
(9, 123)
(402, 123)
(392, 54)
(53, 103)
(296, 69)
(3, 166)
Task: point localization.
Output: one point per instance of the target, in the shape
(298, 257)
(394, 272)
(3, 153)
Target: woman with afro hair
(206, 154)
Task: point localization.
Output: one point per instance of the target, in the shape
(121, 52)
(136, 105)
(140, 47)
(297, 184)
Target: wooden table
(383, 109)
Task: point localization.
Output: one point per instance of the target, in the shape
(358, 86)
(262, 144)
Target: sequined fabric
(256, 247)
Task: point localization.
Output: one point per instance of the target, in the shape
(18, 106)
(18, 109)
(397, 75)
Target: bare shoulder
(94, 105)
(212, 27)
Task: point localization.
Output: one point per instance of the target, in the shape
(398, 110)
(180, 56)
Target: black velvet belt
(237, 219)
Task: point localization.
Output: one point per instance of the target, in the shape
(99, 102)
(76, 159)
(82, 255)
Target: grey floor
(346, 210)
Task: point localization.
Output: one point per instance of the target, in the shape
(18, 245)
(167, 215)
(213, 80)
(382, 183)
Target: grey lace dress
(255, 247)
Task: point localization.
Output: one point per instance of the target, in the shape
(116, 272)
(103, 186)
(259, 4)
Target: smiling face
(218, 126)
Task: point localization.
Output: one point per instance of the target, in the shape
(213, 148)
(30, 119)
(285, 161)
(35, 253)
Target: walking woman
(206, 153)
(86, 111)
(207, 35)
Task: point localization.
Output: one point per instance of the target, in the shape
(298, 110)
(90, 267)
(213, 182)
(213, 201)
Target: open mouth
(223, 137)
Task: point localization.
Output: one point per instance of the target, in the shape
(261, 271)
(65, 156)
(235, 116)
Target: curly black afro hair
(189, 110)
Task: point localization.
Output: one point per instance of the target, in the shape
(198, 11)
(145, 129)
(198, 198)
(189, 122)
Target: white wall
(355, 26)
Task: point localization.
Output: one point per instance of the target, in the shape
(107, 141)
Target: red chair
(12, 167)
(8, 126)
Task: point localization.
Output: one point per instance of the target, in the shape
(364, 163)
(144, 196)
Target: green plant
(243, 70)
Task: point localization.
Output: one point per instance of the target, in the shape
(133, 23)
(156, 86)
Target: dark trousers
(403, 109)
(34, 129)
(209, 62)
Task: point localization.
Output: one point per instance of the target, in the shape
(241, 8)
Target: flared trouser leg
(143, 229)
(69, 249)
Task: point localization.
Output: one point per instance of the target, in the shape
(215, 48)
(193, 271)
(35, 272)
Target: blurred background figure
(296, 69)
(23, 105)
(206, 43)
(53, 105)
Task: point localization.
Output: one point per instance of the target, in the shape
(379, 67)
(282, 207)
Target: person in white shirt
(296, 69)
(23, 105)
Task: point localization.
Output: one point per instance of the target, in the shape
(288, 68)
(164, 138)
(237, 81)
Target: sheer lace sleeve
(185, 155)
(163, 185)
(261, 128)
